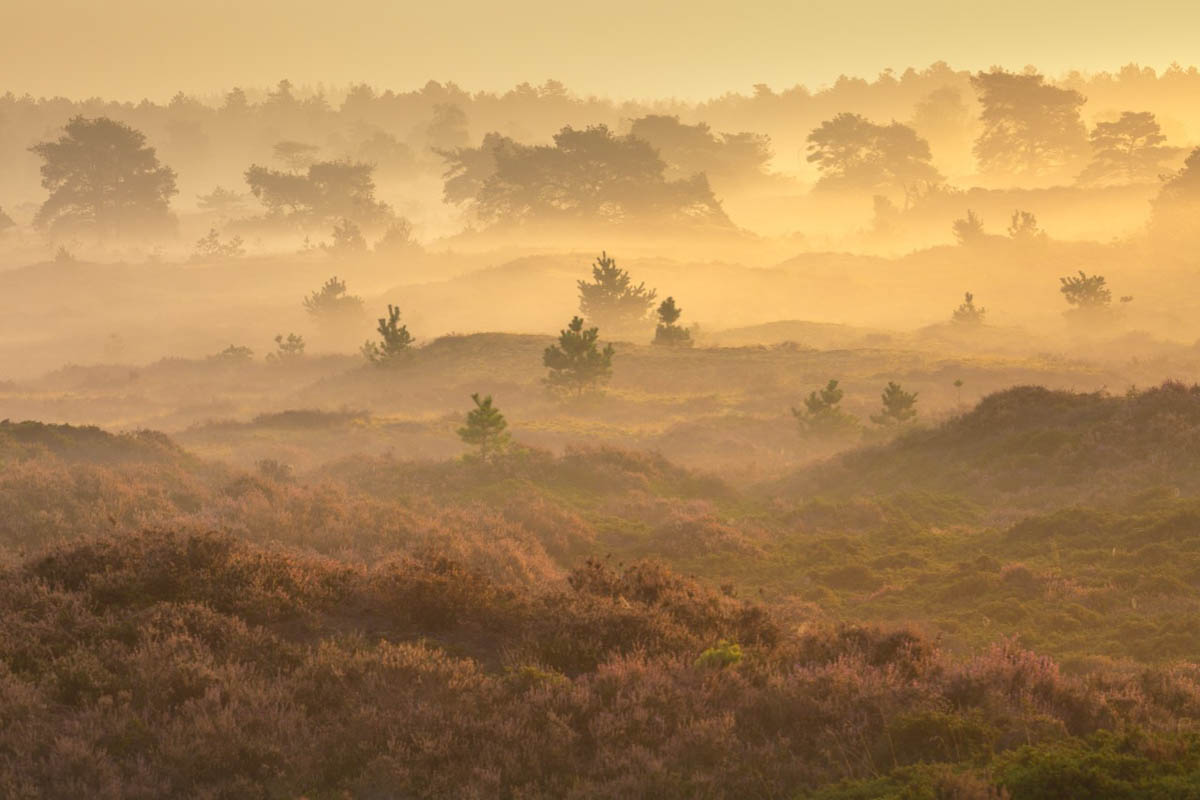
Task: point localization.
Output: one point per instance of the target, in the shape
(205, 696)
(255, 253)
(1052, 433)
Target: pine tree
(968, 313)
(332, 301)
(395, 344)
(347, 239)
(969, 230)
(1085, 291)
(898, 407)
(611, 299)
(577, 363)
(289, 349)
(485, 428)
(821, 414)
(668, 333)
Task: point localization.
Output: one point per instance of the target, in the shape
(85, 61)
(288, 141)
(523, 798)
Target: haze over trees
(726, 159)
(589, 176)
(329, 191)
(104, 180)
(576, 363)
(1129, 150)
(611, 299)
(246, 553)
(1030, 127)
(855, 153)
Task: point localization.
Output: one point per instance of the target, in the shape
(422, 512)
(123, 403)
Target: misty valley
(831, 443)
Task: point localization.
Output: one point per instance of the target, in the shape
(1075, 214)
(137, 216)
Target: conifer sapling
(485, 428)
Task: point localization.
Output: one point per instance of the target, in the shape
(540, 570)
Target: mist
(545, 401)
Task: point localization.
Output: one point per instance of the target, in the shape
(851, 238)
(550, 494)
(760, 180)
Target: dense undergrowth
(1007, 604)
(156, 665)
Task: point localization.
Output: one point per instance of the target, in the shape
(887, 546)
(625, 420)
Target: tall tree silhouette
(103, 178)
(588, 176)
(1029, 126)
(854, 153)
(1127, 150)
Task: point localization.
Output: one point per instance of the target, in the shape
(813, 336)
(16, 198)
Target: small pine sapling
(485, 428)
(821, 415)
(899, 407)
(289, 349)
(968, 313)
(577, 362)
(395, 340)
(668, 333)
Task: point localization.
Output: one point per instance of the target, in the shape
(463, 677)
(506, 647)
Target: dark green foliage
(485, 428)
(821, 415)
(611, 299)
(103, 179)
(899, 407)
(395, 341)
(1085, 291)
(668, 333)
(968, 313)
(577, 363)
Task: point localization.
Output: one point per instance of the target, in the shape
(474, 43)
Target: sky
(130, 49)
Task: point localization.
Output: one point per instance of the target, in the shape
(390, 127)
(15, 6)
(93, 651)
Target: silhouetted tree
(1029, 126)
(899, 407)
(211, 247)
(329, 191)
(854, 153)
(289, 349)
(731, 159)
(668, 333)
(394, 344)
(1023, 227)
(103, 178)
(331, 301)
(611, 299)
(968, 313)
(347, 239)
(1130, 150)
(6, 221)
(1085, 291)
(589, 176)
(577, 363)
(969, 231)
(821, 415)
(485, 428)
(1176, 209)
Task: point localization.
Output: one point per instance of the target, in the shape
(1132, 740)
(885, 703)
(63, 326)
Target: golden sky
(138, 48)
